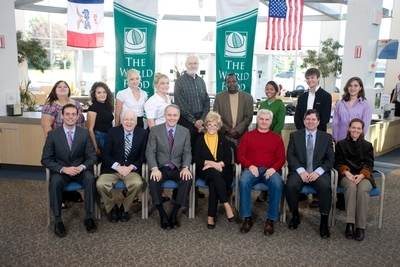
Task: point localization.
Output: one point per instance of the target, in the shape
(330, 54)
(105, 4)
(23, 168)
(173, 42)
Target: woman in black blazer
(354, 160)
(213, 158)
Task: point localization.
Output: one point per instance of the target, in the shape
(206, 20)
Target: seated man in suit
(309, 165)
(123, 156)
(169, 155)
(262, 155)
(69, 155)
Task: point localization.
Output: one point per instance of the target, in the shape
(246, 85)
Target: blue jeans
(100, 139)
(274, 183)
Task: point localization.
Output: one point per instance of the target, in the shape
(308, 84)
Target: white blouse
(154, 108)
(129, 101)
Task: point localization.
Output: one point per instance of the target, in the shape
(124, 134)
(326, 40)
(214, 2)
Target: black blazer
(356, 156)
(56, 152)
(114, 149)
(201, 153)
(322, 103)
(323, 157)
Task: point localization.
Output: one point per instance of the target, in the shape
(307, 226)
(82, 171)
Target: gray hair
(172, 106)
(124, 111)
(265, 111)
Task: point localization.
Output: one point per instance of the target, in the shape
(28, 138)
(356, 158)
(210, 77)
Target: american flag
(285, 21)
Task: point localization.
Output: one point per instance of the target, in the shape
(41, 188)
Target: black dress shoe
(324, 230)
(349, 233)
(231, 219)
(246, 226)
(124, 216)
(294, 222)
(164, 223)
(59, 229)
(210, 226)
(359, 234)
(113, 215)
(90, 225)
(173, 221)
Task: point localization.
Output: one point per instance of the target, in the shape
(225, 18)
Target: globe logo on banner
(135, 40)
(235, 44)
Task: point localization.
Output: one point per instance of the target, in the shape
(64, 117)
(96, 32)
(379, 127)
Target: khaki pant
(356, 199)
(134, 184)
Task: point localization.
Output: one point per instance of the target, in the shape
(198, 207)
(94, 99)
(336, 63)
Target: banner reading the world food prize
(236, 29)
(135, 36)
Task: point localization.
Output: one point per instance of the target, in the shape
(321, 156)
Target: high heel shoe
(210, 226)
(231, 219)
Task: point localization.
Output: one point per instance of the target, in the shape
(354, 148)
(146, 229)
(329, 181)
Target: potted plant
(327, 60)
(28, 100)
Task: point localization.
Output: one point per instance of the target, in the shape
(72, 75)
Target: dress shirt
(73, 137)
(129, 101)
(343, 114)
(130, 137)
(155, 107)
(319, 170)
(311, 99)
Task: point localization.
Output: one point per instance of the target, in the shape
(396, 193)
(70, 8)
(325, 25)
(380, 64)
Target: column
(8, 55)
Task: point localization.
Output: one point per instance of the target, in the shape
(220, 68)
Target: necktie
(128, 144)
(69, 139)
(171, 144)
(310, 153)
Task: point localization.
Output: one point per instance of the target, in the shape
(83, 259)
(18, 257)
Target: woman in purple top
(352, 105)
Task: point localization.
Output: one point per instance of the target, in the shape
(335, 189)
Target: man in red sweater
(262, 155)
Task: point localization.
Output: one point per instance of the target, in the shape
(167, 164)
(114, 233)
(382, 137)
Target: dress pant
(322, 185)
(133, 182)
(59, 181)
(217, 189)
(194, 132)
(356, 198)
(170, 174)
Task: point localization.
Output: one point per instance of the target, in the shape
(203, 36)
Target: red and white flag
(85, 23)
(285, 21)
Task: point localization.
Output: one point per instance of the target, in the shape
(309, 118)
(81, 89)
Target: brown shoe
(246, 226)
(269, 227)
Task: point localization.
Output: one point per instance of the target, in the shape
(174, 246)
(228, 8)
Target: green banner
(135, 36)
(236, 30)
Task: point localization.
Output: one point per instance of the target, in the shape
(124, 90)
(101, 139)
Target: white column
(393, 66)
(360, 31)
(8, 55)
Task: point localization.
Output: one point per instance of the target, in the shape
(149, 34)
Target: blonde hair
(157, 79)
(212, 116)
(129, 73)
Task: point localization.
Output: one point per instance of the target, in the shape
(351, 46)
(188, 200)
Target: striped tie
(171, 145)
(128, 145)
(69, 139)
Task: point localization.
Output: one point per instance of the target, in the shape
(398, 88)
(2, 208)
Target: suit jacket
(222, 105)
(323, 157)
(322, 103)
(56, 152)
(157, 151)
(114, 149)
(202, 153)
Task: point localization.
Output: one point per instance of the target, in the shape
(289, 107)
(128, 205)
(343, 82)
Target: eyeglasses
(212, 126)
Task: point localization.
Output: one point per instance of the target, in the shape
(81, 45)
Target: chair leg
(48, 196)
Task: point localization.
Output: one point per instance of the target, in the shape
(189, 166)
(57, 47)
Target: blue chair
(71, 186)
(201, 183)
(375, 192)
(120, 185)
(169, 184)
(307, 189)
(262, 187)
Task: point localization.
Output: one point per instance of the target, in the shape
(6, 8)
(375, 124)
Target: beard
(191, 72)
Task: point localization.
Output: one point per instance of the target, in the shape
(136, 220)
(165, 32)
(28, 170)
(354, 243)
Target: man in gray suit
(236, 110)
(169, 155)
(69, 154)
(310, 158)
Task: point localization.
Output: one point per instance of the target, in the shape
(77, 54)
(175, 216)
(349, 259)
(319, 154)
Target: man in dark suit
(69, 154)
(123, 156)
(169, 155)
(310, 158)
(236, 110)
(318, 99)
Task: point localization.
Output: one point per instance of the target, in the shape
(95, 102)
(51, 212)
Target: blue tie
(128, 145)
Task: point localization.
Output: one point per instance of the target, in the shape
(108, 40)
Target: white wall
(8, 55)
